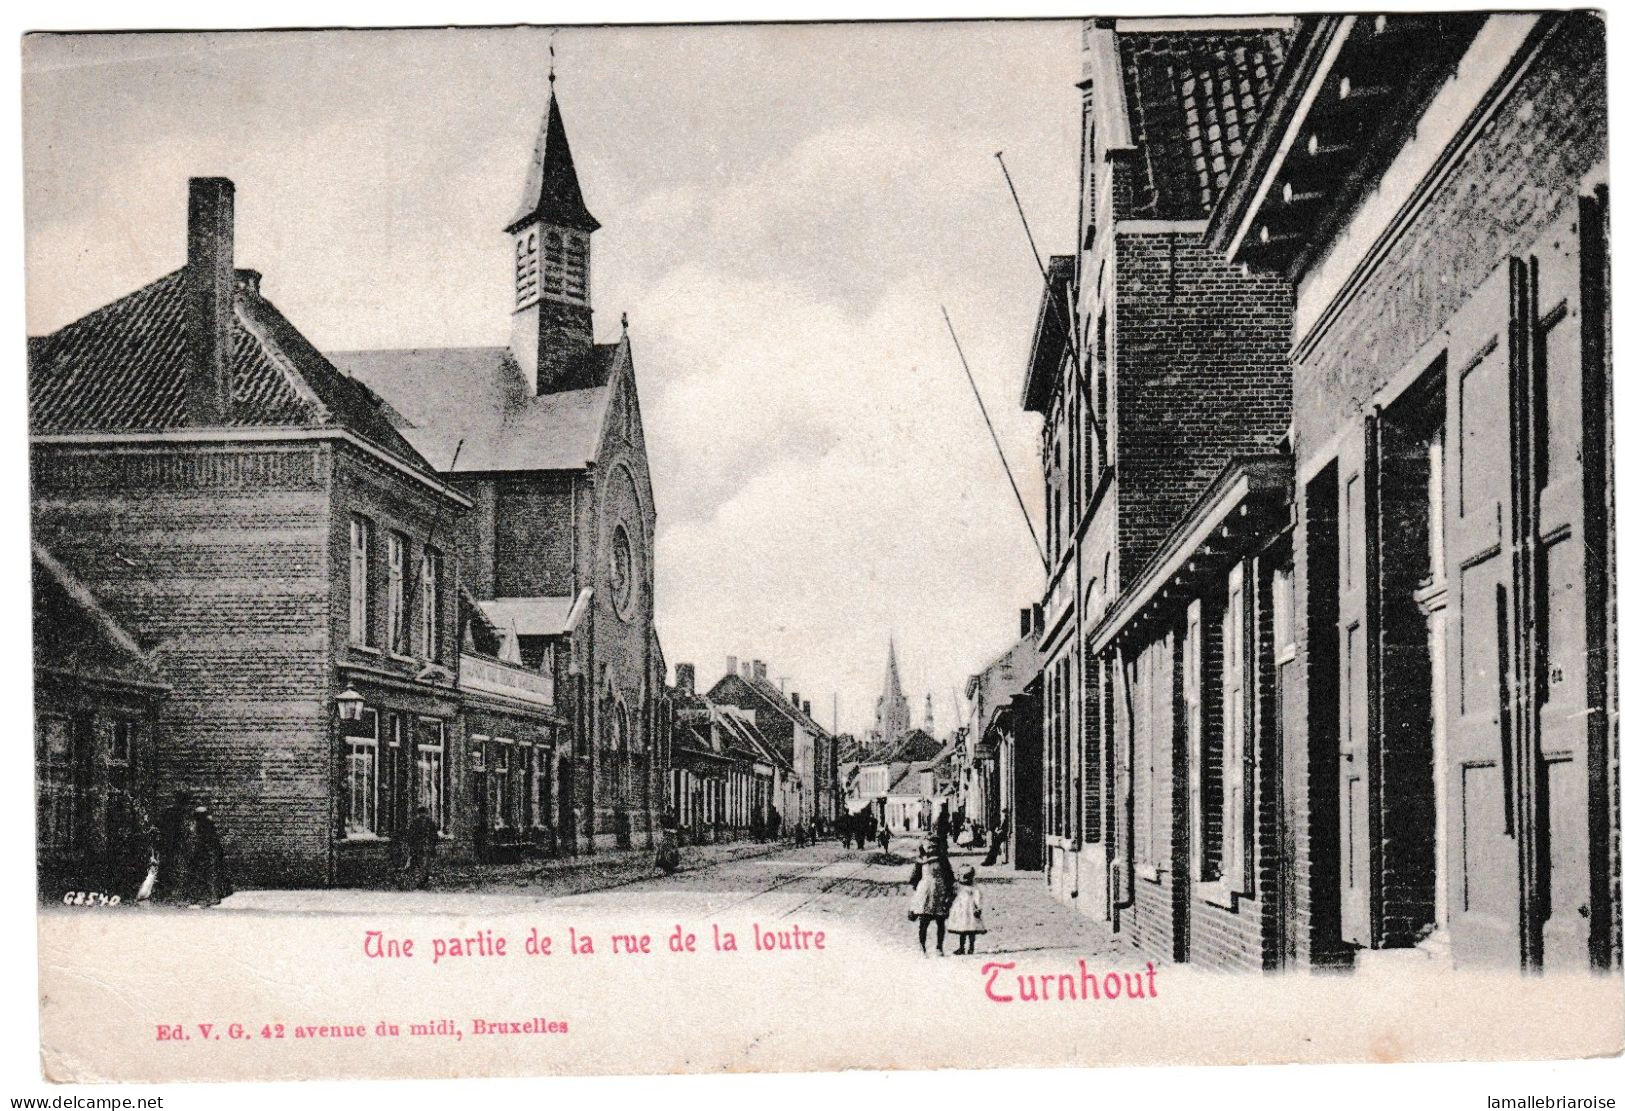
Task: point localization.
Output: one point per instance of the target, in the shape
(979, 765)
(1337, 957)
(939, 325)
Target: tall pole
(1025, 516)
(1049, 302)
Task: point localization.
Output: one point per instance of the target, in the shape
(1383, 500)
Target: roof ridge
(242, 310)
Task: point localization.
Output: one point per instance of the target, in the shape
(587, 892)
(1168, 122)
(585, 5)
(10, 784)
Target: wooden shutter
(1569, 573)
(1354, 777)
(1236, 858)
(1481, 792)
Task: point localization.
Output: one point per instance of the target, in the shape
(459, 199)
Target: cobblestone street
(865, 889)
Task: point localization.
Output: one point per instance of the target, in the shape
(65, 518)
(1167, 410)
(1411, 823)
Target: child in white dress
(965, 916)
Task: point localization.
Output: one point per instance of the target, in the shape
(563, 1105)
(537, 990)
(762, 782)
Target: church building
(892, 717)
(545, 438)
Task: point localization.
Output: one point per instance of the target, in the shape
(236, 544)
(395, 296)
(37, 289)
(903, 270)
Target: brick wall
(1201, 374)
(1514, 180)
(1515, 177)
(623, 644)
(530, 537)
(231, 565)
(217, 560)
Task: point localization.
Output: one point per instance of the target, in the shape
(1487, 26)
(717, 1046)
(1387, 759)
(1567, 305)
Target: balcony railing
(488, 676)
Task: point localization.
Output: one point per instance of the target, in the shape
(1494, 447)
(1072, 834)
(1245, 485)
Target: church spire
(552, 192)
(894, 682)
(551, 233)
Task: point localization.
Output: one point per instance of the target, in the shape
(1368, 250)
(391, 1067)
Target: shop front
(515, 740)
(399, 743)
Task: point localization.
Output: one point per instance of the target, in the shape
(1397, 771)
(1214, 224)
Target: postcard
(802, 547)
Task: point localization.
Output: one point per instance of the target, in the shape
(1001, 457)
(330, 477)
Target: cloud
(785, 209)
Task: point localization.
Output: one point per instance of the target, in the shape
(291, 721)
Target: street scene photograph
(580, 549)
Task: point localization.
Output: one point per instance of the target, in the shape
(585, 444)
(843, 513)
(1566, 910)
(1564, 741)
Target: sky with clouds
(784, 211)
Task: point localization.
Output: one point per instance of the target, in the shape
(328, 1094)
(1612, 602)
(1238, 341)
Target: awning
(1249, 500)
(531, 617)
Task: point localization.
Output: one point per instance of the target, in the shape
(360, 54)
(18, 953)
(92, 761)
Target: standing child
(965, 917)
(933, 896)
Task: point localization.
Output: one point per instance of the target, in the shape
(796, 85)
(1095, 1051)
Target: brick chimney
(759, 670)
(733, 665)
(209, 277)
(685, 679)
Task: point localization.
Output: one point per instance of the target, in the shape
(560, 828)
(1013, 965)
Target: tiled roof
(75, 636)
(910, 780)
(479, 396)
(789, 709)
(915, 745)
(122, 368)
(1193, 98)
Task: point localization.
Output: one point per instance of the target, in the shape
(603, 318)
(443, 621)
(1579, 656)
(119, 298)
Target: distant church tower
(552, 249)
(891, 708)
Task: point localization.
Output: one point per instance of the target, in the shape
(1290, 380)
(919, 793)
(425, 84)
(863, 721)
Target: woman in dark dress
(206, 880)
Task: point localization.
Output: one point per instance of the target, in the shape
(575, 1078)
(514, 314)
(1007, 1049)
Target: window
(58, 794)
(622, 738)
(1074, 428)
(499, 772)
(429, 609)
(397, 594)
(1102, 407)
(392, 784)
(1143, 758)
(541, 786)
(1235, 858)
(122, 753)
(1067, 768)
(622, 571)
(433, 781)
(361, 779)
(1191, 687)
(360, 552)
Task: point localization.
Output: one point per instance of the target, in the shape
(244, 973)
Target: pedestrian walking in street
(1001, 833)
(173, 821)
(884, 837)
(422, 841)
(843, 823)
(932, 899)
(666, 847)
(965, 916)
(207, 883)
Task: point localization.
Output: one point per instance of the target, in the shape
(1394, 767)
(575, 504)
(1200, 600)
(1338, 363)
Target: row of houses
(748, 758)
(1327, 661)
(317, 591)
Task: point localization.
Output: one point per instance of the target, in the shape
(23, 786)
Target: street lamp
(350, 705)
